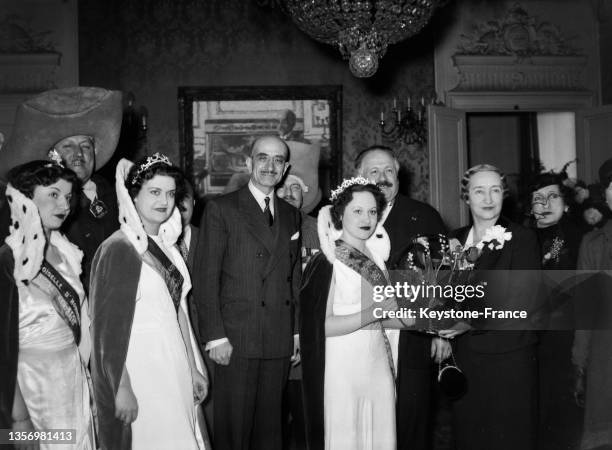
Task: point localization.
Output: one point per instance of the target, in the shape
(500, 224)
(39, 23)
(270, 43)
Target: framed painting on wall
(218, 125)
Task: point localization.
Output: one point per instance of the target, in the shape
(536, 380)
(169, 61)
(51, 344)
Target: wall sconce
(134, 128)
(407, 123)
(144, 117)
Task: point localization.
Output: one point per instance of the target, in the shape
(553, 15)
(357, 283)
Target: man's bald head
(268, 139)
(268, 162)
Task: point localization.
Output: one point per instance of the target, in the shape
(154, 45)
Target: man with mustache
(293, 190)
(404, 219)
(79, 128)
(300, 188)
(246, 281)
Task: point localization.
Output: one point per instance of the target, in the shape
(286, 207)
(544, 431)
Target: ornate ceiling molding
(518, 52)
(516, 34)
(508, 73)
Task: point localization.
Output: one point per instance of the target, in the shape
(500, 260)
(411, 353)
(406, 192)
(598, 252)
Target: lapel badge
(98, 209)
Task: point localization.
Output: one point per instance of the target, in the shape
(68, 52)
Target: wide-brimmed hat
(304, 162)
(46, 119)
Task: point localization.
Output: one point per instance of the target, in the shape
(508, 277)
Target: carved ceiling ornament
(518, 53)
(516, 34)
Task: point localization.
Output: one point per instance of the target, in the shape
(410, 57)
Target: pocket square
(295, 236)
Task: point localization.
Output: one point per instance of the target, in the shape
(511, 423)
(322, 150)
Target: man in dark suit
(188, 241)
(404, 219)
(246, 280)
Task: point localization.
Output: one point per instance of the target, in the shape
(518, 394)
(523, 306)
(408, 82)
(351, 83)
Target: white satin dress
(359, 392)
(158, 365)
(51, 371)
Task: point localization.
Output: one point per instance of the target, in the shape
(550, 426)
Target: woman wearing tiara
(147, 371)
(45, 328)
(349, 386)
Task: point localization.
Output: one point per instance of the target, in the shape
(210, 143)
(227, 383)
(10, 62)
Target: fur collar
(130, 222)
(27, 239)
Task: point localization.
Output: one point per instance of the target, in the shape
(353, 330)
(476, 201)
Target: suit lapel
(392, 219)
(281, 235)
(192, 246)
(397, 221)
(253, 217)
(488, 258)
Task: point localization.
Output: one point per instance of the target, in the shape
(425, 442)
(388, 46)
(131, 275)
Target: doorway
(521, 144)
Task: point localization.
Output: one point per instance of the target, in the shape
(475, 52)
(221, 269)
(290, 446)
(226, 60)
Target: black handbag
(451, 379)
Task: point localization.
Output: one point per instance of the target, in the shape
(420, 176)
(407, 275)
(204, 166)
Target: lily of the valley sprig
(449, 255)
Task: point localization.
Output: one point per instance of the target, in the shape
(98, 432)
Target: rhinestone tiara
(150, 161)
(348, 183)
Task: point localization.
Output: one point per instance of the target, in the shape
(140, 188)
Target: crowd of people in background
(130, 326)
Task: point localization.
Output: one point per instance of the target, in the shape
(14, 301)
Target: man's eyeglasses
(543, 200)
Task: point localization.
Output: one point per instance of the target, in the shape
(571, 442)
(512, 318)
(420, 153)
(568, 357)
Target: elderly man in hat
(294, 191)
(79, 128)
(300, 189)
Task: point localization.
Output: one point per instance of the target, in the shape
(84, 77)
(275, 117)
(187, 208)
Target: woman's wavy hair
(345, 197)
(136, 178)
(26, 177)
(465, 180)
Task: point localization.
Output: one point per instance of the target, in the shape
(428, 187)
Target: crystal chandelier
(362, 30)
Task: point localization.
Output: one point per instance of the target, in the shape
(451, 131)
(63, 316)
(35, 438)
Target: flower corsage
(494, 238)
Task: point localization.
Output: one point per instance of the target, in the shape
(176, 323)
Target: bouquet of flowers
(437, 269)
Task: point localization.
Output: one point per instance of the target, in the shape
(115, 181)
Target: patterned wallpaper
(151, 47)
(605, 50)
